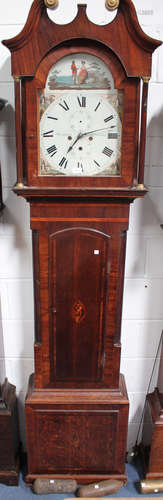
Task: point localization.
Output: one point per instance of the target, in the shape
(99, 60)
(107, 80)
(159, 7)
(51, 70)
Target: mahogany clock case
(79, 251)
(77, 405)
(76, 433)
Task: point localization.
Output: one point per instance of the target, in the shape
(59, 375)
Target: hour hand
(72, 145)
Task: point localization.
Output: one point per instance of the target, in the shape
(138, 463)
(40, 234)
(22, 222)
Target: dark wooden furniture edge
(156, 406)
(10, 478)
(9, 475)
(7, 391)
(130, 193)
(81, 478)
(151, 462)
(2, 105)
(84, 396)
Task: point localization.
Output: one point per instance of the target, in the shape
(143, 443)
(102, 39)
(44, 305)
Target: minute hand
(96, 130)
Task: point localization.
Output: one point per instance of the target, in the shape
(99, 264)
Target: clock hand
(96, 130)
(80, 135)
(66, 133)
(72, 145)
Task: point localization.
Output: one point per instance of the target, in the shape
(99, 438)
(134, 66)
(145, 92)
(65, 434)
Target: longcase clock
(78, 107)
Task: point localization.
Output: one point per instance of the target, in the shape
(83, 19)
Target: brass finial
(145, 79)
(51, 4)
(19, 185)
(140, 187)
(16, 78)
(112, 4)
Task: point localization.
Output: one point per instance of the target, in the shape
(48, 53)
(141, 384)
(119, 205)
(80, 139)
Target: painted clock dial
(80, 119)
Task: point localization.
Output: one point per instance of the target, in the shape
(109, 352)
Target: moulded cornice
(119, 195)
(31, 24)
(142, 39)
(40, 35)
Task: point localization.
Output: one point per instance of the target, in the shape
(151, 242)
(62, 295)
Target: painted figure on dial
(83, 73)
(74, 72)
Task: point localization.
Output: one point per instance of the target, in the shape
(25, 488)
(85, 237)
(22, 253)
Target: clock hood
(123, 36)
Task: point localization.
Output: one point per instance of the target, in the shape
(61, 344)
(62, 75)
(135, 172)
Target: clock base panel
(77, 434)
(80, 478)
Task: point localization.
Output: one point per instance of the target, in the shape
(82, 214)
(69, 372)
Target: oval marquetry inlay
(78, 311)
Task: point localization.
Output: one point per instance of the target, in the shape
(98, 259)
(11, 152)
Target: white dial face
(80, 134)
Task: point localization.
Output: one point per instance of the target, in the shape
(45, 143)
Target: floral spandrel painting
(79, 71)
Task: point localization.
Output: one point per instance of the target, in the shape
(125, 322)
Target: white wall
(143, 296)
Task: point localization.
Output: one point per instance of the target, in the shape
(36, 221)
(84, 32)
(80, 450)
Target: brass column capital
(16, 78)
(145, 79)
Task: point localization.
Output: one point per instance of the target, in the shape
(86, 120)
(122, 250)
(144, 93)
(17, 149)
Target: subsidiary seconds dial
(80, 135)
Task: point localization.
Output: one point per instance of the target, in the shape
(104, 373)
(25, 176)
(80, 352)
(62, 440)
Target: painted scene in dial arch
(79, 71)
